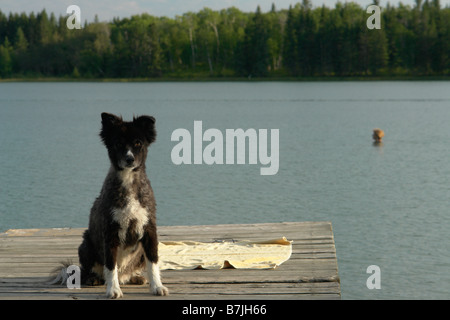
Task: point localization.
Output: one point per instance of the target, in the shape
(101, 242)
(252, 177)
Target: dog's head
(127, 142)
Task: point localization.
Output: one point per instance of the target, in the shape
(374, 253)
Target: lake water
(389, 203)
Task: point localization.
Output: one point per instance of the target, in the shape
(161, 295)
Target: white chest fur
(132, 211)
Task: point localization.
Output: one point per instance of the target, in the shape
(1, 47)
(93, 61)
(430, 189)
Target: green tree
(208, 37)
(5, 59)
(20, 43)
(120, 54)
(440, 46)
(20, 51)
(348, 21)
(290, 43)
(96, 53)
(255, 53)
(232, 33)
(44, 27)
(189, 22)
(306, 30)
(325, 39)
(172, 39)
(276, 22)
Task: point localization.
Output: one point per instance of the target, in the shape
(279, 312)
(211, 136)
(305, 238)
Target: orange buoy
(377, 135)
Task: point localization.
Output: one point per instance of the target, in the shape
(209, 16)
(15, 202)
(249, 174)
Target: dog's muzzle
(129, 159)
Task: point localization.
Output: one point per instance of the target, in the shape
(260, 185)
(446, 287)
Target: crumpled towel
(178, 255)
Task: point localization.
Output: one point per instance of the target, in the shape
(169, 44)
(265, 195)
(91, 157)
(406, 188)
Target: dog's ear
(109, 119)
(147, 124)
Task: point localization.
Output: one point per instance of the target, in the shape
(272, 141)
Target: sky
(108, 9)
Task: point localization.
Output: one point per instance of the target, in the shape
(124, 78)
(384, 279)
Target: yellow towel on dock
(217, 255)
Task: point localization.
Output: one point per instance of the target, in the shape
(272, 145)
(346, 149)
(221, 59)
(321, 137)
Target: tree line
(301, 41)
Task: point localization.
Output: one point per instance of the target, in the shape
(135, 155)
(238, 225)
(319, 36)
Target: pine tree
(254, 47)
(21, 43)
(290, 43)
(306, 44)
(325, 36)
(5, 59)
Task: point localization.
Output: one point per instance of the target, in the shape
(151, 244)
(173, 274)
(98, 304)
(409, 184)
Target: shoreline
(232, 79)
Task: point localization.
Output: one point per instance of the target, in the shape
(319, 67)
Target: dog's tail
(60, 274)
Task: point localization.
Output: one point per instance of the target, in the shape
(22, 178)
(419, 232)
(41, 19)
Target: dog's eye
(137, 144)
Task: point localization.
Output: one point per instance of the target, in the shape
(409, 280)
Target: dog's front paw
(159, 291)
(114, 292)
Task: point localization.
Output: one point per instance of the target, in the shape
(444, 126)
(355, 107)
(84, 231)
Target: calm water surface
(389, 204)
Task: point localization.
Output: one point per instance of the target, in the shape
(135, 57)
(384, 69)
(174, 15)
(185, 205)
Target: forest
(299, 42)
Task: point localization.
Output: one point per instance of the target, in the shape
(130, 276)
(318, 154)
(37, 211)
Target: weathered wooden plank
(188, 289)
(74, 295)
(302, 230)
(28, 256)
(184, 290)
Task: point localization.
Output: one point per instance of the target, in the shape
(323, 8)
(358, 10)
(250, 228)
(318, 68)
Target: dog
(121, 240)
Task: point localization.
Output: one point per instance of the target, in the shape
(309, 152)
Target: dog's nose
(129, 159)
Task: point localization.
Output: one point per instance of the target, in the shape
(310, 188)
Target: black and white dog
(121, 240)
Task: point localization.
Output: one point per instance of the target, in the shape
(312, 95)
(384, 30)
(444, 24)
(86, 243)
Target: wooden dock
(27, 257)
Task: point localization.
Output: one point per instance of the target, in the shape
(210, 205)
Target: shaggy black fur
(114, 230)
